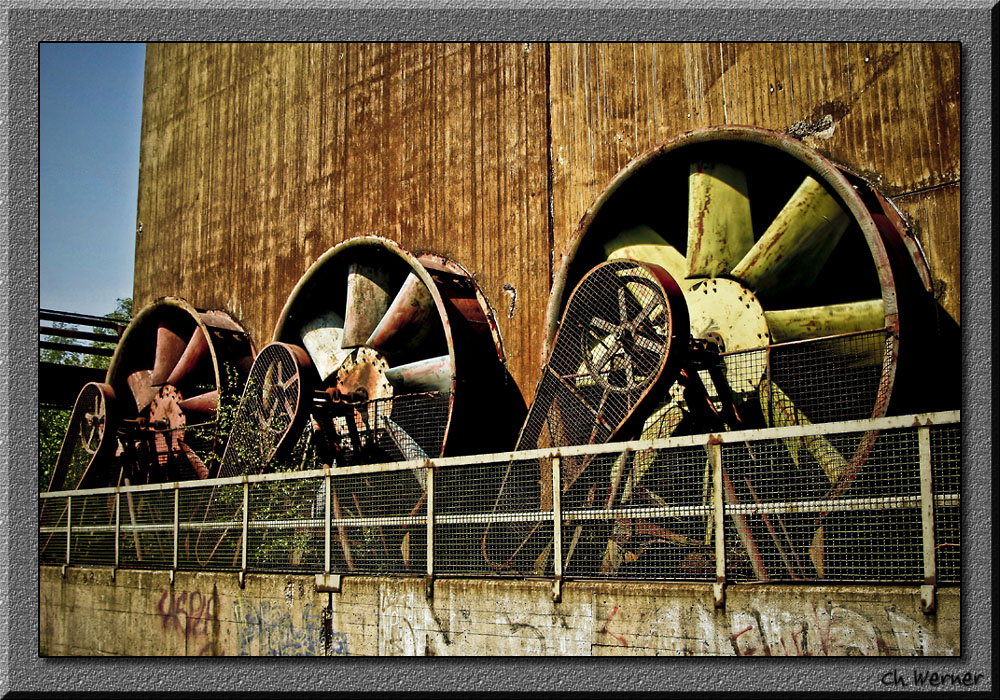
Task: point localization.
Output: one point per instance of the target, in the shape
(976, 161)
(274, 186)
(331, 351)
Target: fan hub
(728, 315)
(361, 377)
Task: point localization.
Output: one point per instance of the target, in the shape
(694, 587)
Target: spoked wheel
(623, 335)
(171, 369)
(806, 305)
(89, 439)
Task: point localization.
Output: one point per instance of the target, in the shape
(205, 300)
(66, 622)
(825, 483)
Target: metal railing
(859, 501)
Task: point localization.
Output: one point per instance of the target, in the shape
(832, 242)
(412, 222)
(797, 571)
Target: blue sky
(90, 111)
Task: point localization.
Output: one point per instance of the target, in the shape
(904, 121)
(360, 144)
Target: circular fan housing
(173, 368)
(398, 345)
(774, 246)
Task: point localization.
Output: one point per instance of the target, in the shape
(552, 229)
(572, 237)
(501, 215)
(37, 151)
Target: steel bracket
(172, 578)
(241, 577)
(429, 586)
(557, 589)
(719, 593)
(328, 583)
(928, 598)
(114, 571)
(63, 569)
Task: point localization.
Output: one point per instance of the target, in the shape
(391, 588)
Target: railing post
(118, 532)
(328, 481)
(69, 530)
(177, 511)
(429, 589)
(719, 588)
(928, 589)
(557, 520)
(243, 538)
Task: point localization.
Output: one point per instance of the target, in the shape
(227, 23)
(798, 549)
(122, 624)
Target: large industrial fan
(155, 418)
(382, 356)
(157, 407)
(808, 302)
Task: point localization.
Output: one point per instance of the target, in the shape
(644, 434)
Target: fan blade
(367, 302)
(404, 325)
(169, 348)
(323, 338)
(719, 228)
(407, 446)
(140, 383)
(662, 423)
(194, 353)
(194, 460)
(643, 244)
(779, 411)
(206, 404)
(798, 242)
(819, 321)
(433, 374)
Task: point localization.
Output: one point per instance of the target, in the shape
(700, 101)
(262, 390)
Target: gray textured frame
(23, 27)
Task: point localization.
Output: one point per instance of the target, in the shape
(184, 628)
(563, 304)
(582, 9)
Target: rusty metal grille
(594, 378)
(840, 507)
(477, 533)
(946, 460)
(403, 428)
(828, 379)
(651, 517)
(378, 523)
(211, 536)
(803, 503)
(52, 531)
(146, 540)
(285, 529)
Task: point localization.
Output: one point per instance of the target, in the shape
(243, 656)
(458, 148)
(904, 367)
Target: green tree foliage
(52, 422)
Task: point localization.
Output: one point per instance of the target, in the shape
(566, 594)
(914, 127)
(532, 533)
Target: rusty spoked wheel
(173, 368)
(809, 302)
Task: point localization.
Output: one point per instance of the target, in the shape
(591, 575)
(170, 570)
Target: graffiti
(268, 628)
(191, 614)
(833, 632)
(606, 629)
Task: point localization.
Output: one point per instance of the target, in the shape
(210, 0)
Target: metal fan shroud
(172, 368)
(395, 340)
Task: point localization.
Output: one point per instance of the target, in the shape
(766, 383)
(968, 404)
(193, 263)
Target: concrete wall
(141, 613)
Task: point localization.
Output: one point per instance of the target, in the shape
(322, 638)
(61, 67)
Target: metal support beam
(719, 587)
(69, 530)
(557, 522)
(327, 515)
(928, 590)
(118, 532)
(429, 591)
(243, 537)
(177, 521)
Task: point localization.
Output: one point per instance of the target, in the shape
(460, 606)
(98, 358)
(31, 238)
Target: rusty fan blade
(434, 374)
(798, 242)
(140, 383)
(719, 228)
(205, 404)
(323, 338)
(367, 302)
(406, 323)
(194, 353)
(169, 348)
(643, 244)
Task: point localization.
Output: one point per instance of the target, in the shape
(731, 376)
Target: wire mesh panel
(378, 524)
(658, 522)
(212, 530)
(946, 460)
(52, 531)
(93, 540)
(285, 531)
(147, 538)
(828, 379)
(822, 508)
(514, 500)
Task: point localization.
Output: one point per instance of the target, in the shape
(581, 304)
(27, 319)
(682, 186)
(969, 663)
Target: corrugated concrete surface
(141, 613)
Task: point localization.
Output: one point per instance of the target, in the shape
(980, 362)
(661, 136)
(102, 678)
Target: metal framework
(294, 521)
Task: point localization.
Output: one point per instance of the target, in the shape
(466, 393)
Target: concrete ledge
(141, 613)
